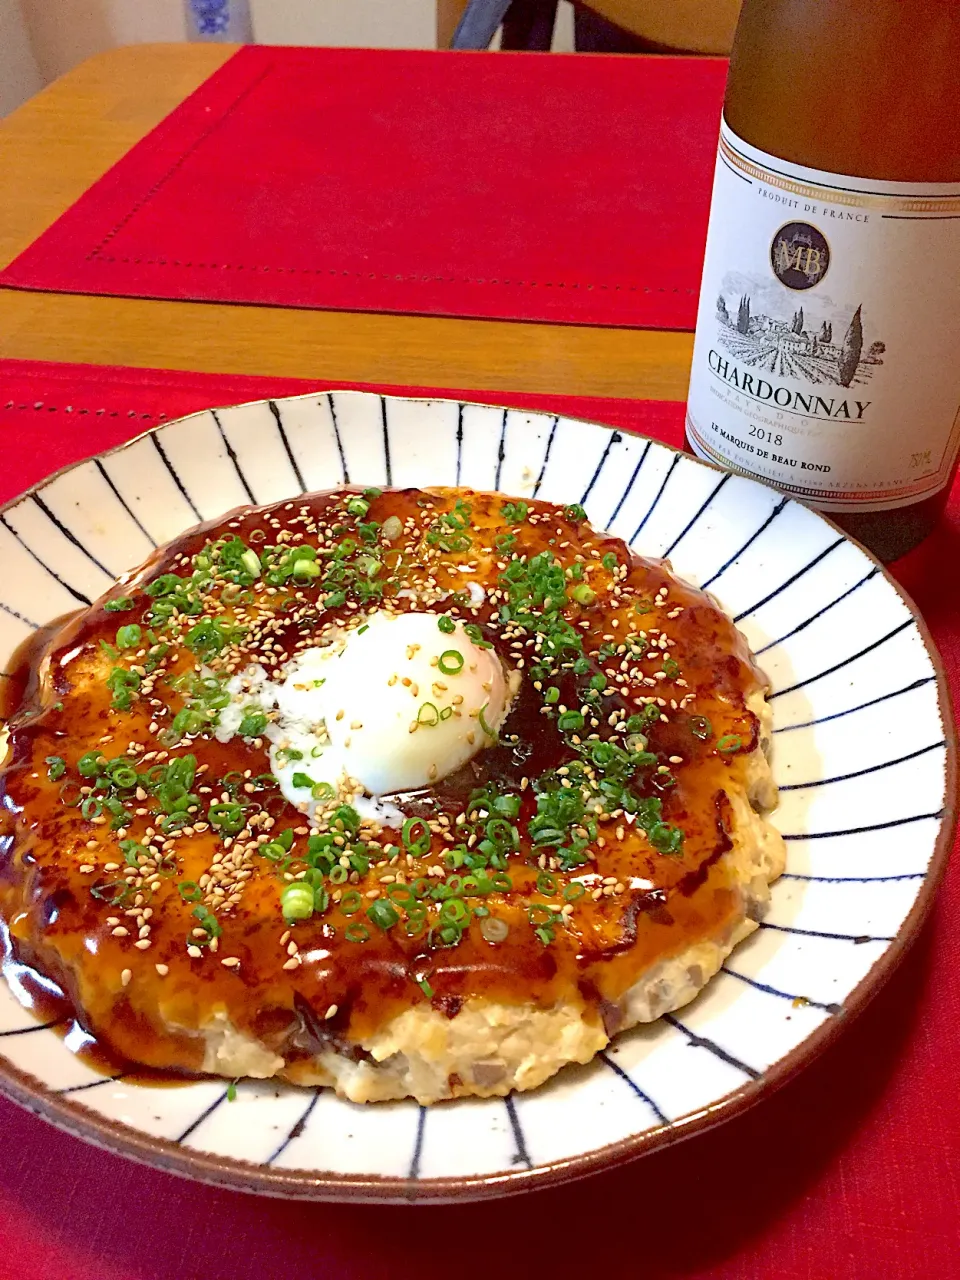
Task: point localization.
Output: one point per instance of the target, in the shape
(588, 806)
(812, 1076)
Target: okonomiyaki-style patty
(406, 792)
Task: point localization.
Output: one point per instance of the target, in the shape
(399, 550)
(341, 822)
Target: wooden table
(56, 146)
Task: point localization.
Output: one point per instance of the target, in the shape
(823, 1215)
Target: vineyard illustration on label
(814, 350)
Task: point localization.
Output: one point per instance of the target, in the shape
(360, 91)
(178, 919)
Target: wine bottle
(827, 352)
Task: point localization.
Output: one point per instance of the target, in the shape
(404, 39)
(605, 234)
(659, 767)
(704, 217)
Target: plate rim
(235, 1174)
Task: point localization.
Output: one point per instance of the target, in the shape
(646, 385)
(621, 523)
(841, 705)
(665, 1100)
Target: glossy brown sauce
(47, 1002)
(66, 961)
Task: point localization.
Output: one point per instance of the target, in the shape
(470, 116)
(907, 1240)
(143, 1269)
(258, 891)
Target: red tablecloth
(526, 188)
(852, 1170)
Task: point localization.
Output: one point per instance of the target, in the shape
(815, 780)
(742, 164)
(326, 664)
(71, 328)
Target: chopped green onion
(425, 987)
(347, 817)
(305, 567)
(207, 921)
(701, 727)
(574, 511)
(428, 714)
(665, 839)
(356, 932)
(583, 594)
(357, 507)
(120, 605)
(302, 780)
(491, 733)
(184, 723)
(729, 743)
(514, 512)
(189, 891)
(228, 818)
(382, 914)
(570, 720)
(57, 767)
(128, 637)
(123, 776)
(446, 624)
(450, 662)
(113, 893)
(609, 562)
(454, 911)
(552, 694)
(132, 851)
(121, 684)
(415, 835)
(643, 719)
(322, 791)
(210, 636)
(297, 901)
(89, 764)
(252, 724)
(251, 562)
(476, 635)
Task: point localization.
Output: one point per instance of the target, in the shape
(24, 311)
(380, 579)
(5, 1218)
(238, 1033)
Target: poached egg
(393, 705)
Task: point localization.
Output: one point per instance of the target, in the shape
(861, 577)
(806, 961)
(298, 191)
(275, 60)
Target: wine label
(827, 354)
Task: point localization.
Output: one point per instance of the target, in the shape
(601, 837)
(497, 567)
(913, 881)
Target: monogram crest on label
(799, 255)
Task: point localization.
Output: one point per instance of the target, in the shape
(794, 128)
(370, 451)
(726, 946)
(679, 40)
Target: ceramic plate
(863, 756)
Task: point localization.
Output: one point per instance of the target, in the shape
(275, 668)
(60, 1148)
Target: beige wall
(383, 24)
(64, 32)
(41, 39)
(19, 75)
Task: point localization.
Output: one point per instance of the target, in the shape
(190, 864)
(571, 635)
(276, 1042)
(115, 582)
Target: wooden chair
(688, 26)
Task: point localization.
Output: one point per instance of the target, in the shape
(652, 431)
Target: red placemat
(571, 189)
(851, 1170)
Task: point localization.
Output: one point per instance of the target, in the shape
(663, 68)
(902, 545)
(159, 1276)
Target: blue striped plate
(863, 756)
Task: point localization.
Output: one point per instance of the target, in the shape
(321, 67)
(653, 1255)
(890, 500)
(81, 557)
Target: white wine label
(827, 355)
